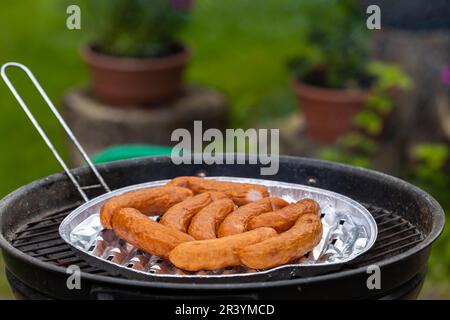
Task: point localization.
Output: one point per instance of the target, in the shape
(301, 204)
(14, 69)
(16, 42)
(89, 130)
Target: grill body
(409, 220)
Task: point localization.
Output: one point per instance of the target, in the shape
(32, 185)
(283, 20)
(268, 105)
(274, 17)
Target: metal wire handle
(42, 132)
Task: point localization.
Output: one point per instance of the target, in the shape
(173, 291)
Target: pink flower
(182, 4)
(445, 75)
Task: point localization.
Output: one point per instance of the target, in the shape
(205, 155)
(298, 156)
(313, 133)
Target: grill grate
(41, 240)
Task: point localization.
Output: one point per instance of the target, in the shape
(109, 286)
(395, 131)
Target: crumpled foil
(348, 231)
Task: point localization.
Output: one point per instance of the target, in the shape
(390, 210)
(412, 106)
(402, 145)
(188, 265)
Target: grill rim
(437, 213)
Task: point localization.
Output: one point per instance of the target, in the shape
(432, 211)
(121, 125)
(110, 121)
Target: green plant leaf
(389, 76)
(358, 142)
(134, 28)
(338, 43)
(432, 155)
(381, 104)
(369, 121)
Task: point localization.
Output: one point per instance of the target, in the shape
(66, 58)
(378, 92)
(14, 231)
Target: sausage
(180, 215)
(236, 222)
(216, 253)
(290, 245)
(281, 220)
(205, 223)
(152, 237)
(149, 201)
(241, 193)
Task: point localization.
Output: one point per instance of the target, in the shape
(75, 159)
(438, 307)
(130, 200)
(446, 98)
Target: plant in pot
(133, 55)
(330, 77)
(359, 146)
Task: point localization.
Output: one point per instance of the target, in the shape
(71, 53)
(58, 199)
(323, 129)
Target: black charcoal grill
(36, 257)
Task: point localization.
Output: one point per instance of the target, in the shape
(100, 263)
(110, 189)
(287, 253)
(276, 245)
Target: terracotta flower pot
(329, 113)
(135, 81)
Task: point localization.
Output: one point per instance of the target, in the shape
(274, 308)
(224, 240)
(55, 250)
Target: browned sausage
(236, 222)
(145, 234)
(281, 220)
(149, 201)
(290, 245)
(216, 253)
(180, 215)
(241, 193)
(205, 223)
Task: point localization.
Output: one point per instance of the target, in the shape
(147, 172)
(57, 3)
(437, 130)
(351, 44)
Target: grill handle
(42, 132)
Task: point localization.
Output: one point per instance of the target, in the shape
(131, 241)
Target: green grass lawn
(5, 292)
(239, 47)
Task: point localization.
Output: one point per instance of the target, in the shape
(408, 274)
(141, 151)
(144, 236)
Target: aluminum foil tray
(349, 230)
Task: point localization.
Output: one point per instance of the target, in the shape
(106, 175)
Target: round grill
(408, 222)
(40, 239)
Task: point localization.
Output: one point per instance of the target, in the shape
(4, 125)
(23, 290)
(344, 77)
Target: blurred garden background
(250, 51)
